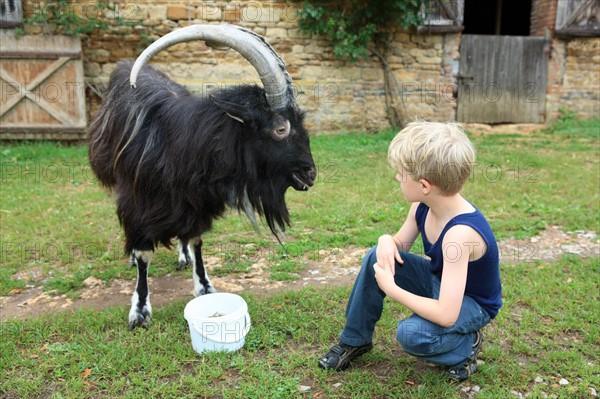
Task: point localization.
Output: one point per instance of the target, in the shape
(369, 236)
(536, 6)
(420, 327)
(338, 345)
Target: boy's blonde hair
(440, 153)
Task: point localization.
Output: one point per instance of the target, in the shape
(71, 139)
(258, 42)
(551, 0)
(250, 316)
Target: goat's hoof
(210, 289)
(183, 264)
(205, 289)
(139, 319)
(184, 261)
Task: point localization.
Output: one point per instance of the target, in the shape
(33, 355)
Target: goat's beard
(268, 200)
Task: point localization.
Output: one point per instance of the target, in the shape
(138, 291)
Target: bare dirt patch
(510, 128)
(335, 267)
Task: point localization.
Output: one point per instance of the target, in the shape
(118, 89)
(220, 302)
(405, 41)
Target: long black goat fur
(176, 161)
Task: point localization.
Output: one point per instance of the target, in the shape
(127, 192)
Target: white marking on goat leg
(208, 287)
(183, 254)
(139, 317)
(199, 288)
(145, 255)
(132, 260)
(180, 252)
(141, 309)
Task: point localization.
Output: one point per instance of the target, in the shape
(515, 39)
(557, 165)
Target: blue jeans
(419, 337)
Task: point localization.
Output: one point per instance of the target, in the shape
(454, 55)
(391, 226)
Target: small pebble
(476, 388)
(563, 382)
(303, 388)
(538, 380)
(594, 393)
(337, 385)
(93, 282)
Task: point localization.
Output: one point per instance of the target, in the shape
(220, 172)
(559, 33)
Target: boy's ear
(233, 110)
(425, 186)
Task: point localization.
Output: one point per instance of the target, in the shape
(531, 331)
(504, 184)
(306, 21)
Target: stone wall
(574, 77)
(573, 70)
(338, 95)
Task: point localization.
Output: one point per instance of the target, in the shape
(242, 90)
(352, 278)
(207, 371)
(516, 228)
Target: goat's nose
(312, 173)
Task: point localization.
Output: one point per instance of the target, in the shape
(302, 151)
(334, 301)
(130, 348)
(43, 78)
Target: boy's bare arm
(445, 310)
(406, 236)
(388, 245)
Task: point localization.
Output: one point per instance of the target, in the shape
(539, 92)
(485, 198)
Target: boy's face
(411, 189)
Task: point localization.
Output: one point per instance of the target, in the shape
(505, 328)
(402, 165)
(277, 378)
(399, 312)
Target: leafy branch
(357, 29)
(353, 25)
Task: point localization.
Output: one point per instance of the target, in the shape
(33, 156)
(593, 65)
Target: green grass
(549, 327)
(59, 227)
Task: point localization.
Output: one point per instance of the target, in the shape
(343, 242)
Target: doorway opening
(497, 17)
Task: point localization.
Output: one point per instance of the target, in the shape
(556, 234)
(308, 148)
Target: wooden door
(42, 88)
(502, 79)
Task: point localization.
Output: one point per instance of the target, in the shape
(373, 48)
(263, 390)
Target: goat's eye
(282, 131)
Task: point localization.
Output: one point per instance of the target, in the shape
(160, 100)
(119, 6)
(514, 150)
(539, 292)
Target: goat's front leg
(202, 284)
(141, 309)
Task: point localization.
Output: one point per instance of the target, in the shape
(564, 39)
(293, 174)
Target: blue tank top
(483, 275)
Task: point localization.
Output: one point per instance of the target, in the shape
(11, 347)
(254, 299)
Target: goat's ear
(233, 110)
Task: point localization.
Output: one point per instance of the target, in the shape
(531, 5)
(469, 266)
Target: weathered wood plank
(578, 14)
(38, 93)
(36, 44)
(502, 79)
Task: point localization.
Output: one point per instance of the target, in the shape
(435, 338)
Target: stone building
(507, 61)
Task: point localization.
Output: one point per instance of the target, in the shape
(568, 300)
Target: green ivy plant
(357, 29)
(353, 26)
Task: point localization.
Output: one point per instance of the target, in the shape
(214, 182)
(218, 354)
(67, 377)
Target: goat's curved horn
(270, 67)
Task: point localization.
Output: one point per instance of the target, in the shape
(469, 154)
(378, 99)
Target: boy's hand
(387, 254)
(384, 277)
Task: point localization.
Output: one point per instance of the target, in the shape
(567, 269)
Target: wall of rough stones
(574, 77)
(573, 70)
(338, 95)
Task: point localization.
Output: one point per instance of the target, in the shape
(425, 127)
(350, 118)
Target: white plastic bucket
(218, 322)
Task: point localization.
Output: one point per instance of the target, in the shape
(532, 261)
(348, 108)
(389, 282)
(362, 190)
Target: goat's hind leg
(141, 309)
(184, 251)
(202, 284)
(132, 261)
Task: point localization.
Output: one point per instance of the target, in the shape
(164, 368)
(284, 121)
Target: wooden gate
(42, 89)
(502, 79)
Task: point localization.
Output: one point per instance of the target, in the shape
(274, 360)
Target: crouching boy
(453, 293)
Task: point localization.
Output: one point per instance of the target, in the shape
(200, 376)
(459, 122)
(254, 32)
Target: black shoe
(340, 355)
(469, 367)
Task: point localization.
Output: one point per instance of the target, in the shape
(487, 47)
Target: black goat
(176, 161)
